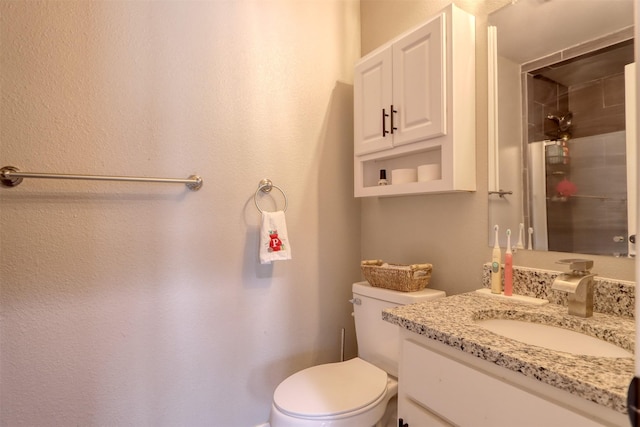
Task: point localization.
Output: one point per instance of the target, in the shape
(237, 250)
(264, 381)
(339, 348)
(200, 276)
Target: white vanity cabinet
(414, 104)
(443, 386)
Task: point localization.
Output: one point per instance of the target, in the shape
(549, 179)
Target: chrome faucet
(578, 284)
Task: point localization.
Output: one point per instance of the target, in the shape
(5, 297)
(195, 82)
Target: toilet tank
(378, 340)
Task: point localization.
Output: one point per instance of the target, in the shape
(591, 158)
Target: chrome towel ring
(266, 186)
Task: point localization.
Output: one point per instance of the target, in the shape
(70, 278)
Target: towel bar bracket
(265, 185)
(9, 181)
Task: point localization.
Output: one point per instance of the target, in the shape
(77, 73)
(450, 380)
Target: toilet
(359, 392)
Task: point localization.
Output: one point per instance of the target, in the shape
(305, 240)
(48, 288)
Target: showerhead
(564, 122)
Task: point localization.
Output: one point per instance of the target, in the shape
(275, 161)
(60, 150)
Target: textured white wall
(145, 304)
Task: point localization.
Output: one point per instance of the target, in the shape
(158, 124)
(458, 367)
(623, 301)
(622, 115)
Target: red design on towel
(275, 244)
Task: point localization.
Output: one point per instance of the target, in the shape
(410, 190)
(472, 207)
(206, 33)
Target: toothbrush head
(495, 228)
(508, 232)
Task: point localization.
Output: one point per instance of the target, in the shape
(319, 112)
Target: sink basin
(553, 338)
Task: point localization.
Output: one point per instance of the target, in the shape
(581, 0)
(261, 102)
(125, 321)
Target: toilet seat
(332, 390)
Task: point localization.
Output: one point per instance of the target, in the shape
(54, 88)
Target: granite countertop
(452, 321)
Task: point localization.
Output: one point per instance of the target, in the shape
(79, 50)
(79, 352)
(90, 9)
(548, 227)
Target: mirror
(558, 137)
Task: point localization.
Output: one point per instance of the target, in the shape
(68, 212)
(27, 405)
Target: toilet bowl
(356, 392)
(344, 394)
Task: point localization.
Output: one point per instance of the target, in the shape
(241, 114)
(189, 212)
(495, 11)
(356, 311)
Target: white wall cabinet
(414, 104)
(372, 103)
(441, 386)
(400, 93)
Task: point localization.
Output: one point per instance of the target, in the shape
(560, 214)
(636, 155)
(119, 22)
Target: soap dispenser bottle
(383, 177)
(496, 270)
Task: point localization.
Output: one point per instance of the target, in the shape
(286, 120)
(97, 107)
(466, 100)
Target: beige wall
(450, 231)
(145, 304)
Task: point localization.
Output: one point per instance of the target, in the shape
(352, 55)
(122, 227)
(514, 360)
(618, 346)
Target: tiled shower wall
(598, 169)
(544, 97)
(597, 106)
(596, 166)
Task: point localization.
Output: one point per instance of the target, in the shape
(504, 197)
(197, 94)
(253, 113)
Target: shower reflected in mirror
(562, 136)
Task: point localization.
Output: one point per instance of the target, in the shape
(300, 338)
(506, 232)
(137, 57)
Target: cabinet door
(466, 396)
(372, 99)
(419, 85)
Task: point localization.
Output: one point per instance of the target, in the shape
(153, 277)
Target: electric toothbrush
(496, 277)
(508, 267)
(520, 244)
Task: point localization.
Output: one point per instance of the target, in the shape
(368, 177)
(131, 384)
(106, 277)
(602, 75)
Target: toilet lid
(331, 389)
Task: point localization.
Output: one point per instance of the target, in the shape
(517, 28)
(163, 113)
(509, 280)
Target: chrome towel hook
(266, 186)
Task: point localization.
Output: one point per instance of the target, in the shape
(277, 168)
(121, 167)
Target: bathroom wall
(145, 304)
(448, 230)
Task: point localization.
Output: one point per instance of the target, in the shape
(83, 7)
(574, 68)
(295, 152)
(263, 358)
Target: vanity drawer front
(414, 414)
(466, 396)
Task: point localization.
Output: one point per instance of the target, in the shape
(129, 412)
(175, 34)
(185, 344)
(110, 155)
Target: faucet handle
(578, 265)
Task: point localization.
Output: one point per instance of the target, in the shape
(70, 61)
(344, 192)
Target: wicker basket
(405, 278)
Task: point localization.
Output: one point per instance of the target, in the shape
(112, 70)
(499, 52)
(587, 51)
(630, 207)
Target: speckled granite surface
(452, 321)
(610, 296)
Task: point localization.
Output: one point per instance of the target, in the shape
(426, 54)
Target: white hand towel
(274, 241)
